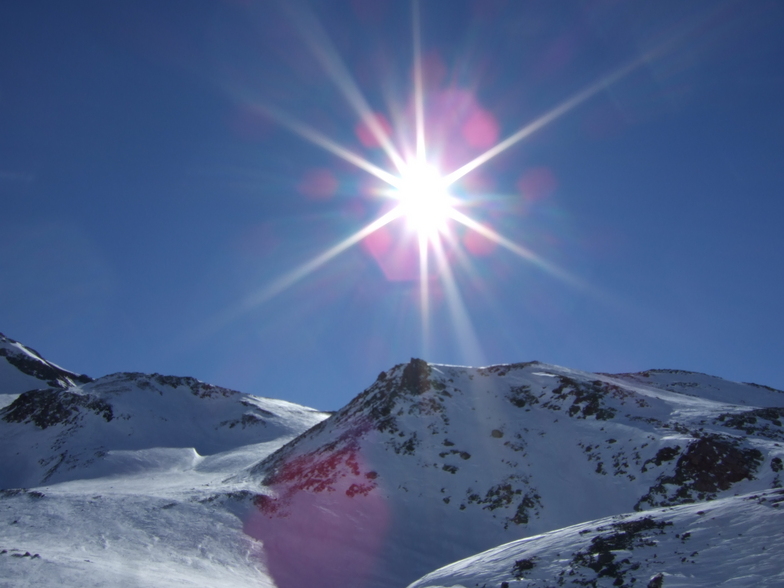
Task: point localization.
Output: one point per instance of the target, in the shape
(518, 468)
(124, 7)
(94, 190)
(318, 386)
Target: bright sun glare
(420, 190)
(424, 200)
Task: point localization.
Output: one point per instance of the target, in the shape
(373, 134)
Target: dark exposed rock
(46, 408)
(708, 465)
(664, 454)
(415, 377)
(498, 496)
(587, 398)
(766, 422)
(408, 446)
(521, 396)
(521, 566)
(530, 501)
(9, 492)
(39, 368)
(504, 368)
(247, 420)
(764, 387)
(601, 555)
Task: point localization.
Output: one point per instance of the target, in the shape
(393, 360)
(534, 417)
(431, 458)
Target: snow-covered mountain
(434, 463)
(734, 541)
(149, 480)
(119, 481)
(72, 427)
(24, 369)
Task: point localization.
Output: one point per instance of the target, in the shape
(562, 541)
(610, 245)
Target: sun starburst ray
(421, 192)
(319, 139)
(424, 292)
(307, 268)
(459, 317)
(324, 50)
(515, 248)
(284, 282)
(419, 93)
(547, 118)
(463, 258)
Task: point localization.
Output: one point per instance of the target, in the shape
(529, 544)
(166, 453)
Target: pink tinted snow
(326, 523)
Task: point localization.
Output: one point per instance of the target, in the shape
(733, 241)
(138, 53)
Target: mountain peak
(495, 454)
(25, 369)
(430, 464)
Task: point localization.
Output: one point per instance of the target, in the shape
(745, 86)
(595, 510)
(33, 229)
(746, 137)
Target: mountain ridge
(679, 448)
(428, 465)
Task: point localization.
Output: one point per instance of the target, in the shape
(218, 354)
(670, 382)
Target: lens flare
(420, 193)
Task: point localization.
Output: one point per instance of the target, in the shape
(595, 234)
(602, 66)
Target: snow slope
(164, 517)
(149, 480)
(434, 463)
(128, 475)
(733, 541)
(97, 428)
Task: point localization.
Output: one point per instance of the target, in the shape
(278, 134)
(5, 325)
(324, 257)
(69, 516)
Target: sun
(419, 191)
(424, 200)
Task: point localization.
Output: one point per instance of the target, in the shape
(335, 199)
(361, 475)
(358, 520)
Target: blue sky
(153, 188)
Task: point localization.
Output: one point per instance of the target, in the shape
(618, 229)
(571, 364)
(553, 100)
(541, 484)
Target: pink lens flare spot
(366, 133)
(400, 263)
(537, 183)
(477, 244)
(481, 129)
(318, 184)
(397, 255)
(326, 522)
(378, 243)
(478, 183)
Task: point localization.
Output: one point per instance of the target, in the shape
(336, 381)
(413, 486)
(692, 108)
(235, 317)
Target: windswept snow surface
(100, 535)
(110, 425)
(149, 480)
(733, 542)
(121, 481)
(435, 463)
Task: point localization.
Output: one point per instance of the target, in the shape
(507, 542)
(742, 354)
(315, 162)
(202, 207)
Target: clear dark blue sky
(146, 198)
